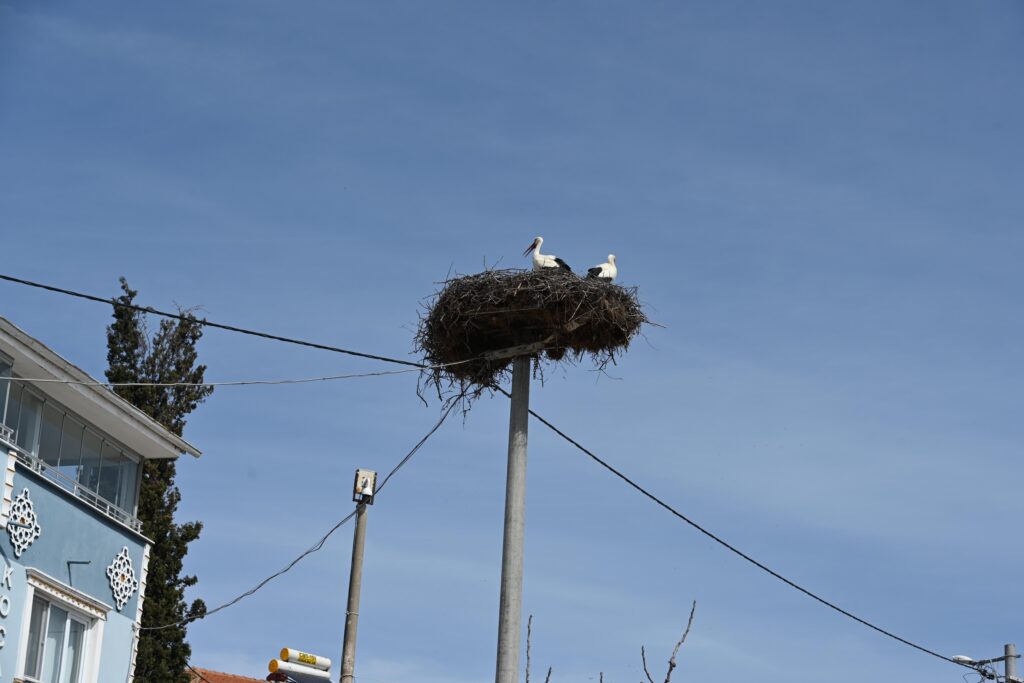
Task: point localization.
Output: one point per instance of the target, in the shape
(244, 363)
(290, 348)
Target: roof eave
(105, 407)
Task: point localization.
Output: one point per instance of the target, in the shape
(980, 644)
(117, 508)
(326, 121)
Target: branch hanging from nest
(491, 317)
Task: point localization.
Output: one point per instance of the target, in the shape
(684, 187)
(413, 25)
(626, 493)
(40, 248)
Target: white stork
(541, 261)
(604, 271)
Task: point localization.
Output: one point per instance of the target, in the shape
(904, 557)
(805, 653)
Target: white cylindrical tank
(300, 672)
(290, 654)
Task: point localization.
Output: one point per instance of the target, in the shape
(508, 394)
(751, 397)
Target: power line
(316, 546)
(729, 546)
(238, 383)
(408, 456)
(207, 323)
(196, 672)
(610, 468)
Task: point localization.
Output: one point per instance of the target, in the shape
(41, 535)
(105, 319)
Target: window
(56, 642)
(5, 382)
(70, 448)
(22, 415)
(49, 435)
(89, 474)
(129, 484)
(71, 452)
(28, 421)
(110, 470)
(64, 634)
(13, 406)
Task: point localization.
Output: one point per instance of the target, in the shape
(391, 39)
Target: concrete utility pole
(982, 666)
(510, 609)
(365, 486)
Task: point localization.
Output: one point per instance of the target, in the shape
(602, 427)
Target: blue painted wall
(71, 530)
(16, 595)
(116, 657)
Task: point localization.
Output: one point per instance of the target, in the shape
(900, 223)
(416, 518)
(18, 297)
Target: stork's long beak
(530, 248)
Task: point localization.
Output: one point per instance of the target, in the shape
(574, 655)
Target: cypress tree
(168, 355)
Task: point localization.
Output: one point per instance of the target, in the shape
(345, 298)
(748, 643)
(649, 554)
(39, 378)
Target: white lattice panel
(122, 578)
(22, 524)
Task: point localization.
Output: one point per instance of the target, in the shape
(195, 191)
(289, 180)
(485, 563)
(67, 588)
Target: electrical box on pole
(365, 486)
(295, 666)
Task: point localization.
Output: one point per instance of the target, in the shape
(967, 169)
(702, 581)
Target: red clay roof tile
(220, 677)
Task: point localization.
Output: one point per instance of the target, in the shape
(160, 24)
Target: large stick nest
(476, 324)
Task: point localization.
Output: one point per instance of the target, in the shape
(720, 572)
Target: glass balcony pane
(110, 470)
(13, 406)
(5, 381)
(70, 449)
(49, 435)
(28, 422)
(129, 485)
(89, 470)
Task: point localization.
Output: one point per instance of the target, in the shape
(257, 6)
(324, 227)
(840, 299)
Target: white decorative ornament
(22, 524)
(122, 578)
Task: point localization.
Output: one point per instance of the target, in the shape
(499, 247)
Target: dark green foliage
(168, 356)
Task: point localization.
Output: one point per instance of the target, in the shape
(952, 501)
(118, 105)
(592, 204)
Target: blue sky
(820, 201)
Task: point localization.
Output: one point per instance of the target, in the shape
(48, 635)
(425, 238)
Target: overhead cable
(237, 383)
(729, 546)
(549, 425)
(208, 323)
(200, 676)
(316, 546)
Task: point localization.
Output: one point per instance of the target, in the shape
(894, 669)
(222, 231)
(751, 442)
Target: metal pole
(510, 609)
(355, 582)
(1010, 663)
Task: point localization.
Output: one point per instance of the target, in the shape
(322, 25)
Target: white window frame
(5, 360)
(41, 654)
(39, 396)
(5, 393)
(79, 606)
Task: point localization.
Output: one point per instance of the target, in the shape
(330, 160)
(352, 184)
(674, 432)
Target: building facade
(72, 555)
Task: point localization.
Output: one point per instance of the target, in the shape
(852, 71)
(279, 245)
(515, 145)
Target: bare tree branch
(643, 656)
(529, 633)
(672, 661)
(547, 678)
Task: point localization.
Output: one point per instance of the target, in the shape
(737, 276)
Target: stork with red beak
(541, 261)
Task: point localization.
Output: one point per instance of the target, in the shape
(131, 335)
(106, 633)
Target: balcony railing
(7, 435)
(88, 496)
